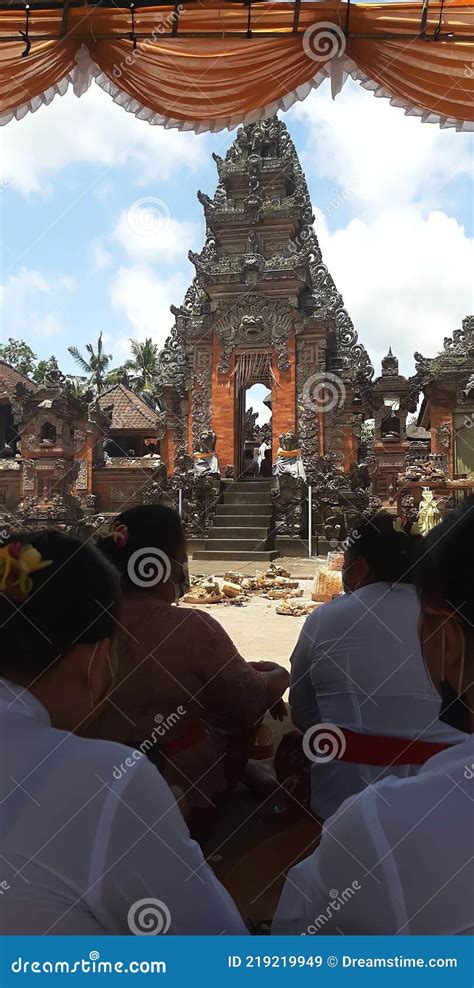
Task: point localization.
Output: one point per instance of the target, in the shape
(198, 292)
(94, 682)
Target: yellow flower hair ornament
(17, 562)
(119, 534)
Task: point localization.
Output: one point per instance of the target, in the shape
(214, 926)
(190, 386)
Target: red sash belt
(374, 749)
(195, 733)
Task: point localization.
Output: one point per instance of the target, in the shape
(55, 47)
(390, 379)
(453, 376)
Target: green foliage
(94, 365)
(143, 367)
(367, 431)
(138, 373)
(40, 371)
(19, 355)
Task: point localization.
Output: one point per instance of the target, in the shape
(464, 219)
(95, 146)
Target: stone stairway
(242, 524)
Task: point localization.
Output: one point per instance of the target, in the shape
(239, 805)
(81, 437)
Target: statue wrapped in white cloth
(206, 460)
(288, 460)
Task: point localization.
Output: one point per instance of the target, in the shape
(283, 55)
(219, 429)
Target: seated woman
(184, 693)
(400, 854)
(92, 839)
(358, 666)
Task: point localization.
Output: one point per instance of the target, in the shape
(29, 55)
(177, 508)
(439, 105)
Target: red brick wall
(350, 445)
(284, 398)
(92, 439)
(223, 410)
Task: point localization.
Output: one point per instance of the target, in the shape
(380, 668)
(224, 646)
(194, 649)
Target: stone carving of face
(288, 440)
(207, 441)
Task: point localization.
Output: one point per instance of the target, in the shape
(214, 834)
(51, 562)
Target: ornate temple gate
(262, 308)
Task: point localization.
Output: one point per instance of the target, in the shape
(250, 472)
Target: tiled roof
(129, 410)
(9, 378)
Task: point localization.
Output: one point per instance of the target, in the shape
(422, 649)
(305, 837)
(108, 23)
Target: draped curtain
(209, 74)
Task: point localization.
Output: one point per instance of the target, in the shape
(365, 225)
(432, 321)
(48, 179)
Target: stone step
(238, 532)
(230, 522)
(239, 545)
(231, 555)
(244, 511)
(252, 486)
(247, 497)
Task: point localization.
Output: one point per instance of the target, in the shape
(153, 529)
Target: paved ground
(257, 630)
(298, 566)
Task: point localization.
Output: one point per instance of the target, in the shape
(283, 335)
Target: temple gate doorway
(253, 367)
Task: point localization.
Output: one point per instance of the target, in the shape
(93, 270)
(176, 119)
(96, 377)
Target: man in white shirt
(91, 834)
(398, 857)
(358, 665)
(92, 840)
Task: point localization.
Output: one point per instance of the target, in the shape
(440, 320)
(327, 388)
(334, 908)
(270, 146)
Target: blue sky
(99, 210)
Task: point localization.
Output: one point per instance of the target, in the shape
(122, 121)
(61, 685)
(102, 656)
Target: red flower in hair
(120, 536)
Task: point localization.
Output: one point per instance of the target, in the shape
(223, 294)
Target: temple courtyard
(257, 630)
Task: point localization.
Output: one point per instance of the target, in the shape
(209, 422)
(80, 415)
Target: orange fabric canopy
(209, 74)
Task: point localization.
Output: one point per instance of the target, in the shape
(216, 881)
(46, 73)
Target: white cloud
(254, 400)
(402, 263)
(48, 325)
(144, 299)
(405, 278)
(100, 256)
(383, 157)
(27, 300)
(94, 131)
(147, 231)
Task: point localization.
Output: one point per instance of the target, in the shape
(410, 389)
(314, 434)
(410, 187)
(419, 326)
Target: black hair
(387, 547)
(444, 573)
(73, 601)
(151, 526)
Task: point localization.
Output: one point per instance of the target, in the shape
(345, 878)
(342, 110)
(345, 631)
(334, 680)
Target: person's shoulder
(116, 766)
(327, 612)
(107, 759)
(395, 803)
(365, 809)
(455, 762)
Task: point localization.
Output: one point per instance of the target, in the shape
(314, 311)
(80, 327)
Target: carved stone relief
(82, 476)
(254, 318)
(201, 392)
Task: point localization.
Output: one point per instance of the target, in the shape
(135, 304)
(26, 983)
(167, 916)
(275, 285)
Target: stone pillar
(350, 442)
(223, 410)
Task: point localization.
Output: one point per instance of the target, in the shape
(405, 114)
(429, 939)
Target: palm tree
(78, 387)
(143, 368)
(95, 365)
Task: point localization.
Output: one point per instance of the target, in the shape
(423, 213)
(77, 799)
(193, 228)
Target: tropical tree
(94, 365)
(118, 375)
(19, 355)
(143, 366)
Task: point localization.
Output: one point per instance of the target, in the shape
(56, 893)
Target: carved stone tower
(262, 308)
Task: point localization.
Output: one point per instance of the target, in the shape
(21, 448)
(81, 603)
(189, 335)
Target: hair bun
(118, 534)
